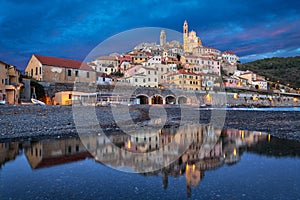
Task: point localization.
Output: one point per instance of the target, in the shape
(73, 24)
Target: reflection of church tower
(162, 38)
(185, 36)
(165, 179)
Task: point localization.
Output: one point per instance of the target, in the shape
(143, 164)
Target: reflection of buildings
(8, 151)
(54, 152)
(197, 148)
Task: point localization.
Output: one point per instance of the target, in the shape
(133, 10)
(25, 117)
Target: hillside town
(190, 66)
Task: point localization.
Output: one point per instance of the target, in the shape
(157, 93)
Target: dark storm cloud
(253, 29)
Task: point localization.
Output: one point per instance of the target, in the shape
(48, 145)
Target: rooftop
(62, 62)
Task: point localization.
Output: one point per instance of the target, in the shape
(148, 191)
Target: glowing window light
(234, 151)
(129, 144)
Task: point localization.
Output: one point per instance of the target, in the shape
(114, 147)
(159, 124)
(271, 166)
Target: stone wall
(198, 98)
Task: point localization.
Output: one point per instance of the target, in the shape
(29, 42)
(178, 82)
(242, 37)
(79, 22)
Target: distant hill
(285, 70)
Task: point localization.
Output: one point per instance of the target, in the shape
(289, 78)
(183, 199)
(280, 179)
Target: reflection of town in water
(207, 149)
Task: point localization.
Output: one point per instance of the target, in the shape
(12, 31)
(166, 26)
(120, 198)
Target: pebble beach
(32, 122)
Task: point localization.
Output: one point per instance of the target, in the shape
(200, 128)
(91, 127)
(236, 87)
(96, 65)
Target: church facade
(190, 39)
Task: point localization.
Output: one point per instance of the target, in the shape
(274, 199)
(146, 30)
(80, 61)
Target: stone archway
(182, 100)
(142, 99)
(157, 99)
(170, 99)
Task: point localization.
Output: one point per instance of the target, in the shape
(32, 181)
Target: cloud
(72, 28)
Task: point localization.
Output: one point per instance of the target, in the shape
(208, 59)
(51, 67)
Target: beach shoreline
(32, 122)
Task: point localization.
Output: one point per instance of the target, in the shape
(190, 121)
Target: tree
(117, 73)
(39, 89)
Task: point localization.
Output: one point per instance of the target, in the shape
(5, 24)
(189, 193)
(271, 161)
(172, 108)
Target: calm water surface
(218, 164)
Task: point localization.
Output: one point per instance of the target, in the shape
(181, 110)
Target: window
(69, 149)
(88, 74)
(76, 73)
(70, 96)
(77, 148)
(40, 70)
(69, 72)
(148, 72)
(149, 79)
(31, 72)
(155, 80)
(36, 71)
(136, 80)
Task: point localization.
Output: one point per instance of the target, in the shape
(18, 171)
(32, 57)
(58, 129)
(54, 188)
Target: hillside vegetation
(284, 70)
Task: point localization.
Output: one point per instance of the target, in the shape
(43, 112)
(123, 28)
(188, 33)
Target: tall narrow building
(185, 35)
(162, 38)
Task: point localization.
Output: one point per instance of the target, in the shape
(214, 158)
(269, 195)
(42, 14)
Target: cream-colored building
(230, 57)
(144, 77)
(183, 80)
(202, 64)
(105, 64)
(206, 51)
(59, 70)
(9, 83)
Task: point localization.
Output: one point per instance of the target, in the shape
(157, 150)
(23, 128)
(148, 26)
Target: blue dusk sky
(73, 28)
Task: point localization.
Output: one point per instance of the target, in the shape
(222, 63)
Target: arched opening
(142, 99)
(182, 100)
(157, 99)
(170, 100)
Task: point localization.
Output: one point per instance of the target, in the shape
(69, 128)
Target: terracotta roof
(114, 58)
(228, 52)
(182, 71)
(246, 73)
(48, 162)
(92, 64)
(104, 75)
(62, 62)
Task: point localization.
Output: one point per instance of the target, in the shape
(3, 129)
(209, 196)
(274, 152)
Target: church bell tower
(185, 35)
(162, 38)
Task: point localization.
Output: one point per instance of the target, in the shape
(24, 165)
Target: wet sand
(33, 122)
